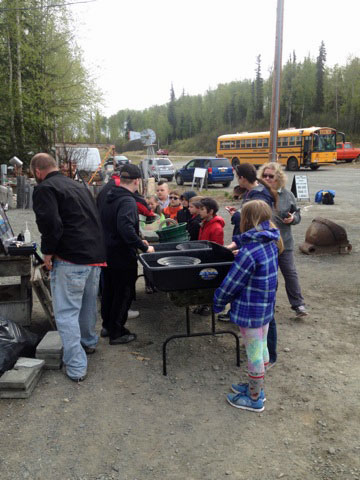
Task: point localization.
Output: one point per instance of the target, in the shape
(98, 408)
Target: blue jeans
(74, 292)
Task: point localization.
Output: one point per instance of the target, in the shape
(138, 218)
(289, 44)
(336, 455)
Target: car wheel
(349, 160)
(292, 164)
(226, 184)
(179, 180)
(170, 179)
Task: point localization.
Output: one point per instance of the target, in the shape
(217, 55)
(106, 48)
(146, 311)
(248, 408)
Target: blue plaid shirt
(250, 285)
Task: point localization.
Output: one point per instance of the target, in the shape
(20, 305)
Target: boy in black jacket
(193, 226)
(184, 215)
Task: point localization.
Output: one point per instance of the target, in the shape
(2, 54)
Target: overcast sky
(136, 49)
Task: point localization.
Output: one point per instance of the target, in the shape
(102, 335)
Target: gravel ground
(127, 421)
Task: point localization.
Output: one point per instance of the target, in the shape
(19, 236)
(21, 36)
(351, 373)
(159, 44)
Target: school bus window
(279, 142)
(253, 143)
(298, 140)
(266, 142)
(285, 141)
(221, 145)
(248, 143)
(260, 142)
(232, 144)
(292, 141)
(242, 143)
(237, 143)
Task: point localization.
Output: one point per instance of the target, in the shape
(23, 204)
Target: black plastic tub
(183, 245)
(215, 263)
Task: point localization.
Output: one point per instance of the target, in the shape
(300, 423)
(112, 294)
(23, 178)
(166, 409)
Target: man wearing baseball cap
(120, 222)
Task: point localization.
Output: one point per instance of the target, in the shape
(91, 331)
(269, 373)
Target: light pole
(275, 103)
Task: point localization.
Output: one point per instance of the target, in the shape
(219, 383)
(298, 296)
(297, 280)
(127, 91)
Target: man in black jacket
(73, 248)
(120, 222)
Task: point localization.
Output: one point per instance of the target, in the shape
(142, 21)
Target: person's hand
(145, 242)
(231, 210)
(231, 246)
(288, 219)
(150, 249)
(235, 252)
(48, 261)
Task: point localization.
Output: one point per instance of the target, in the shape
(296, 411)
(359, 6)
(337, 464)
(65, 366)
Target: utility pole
(275, 104)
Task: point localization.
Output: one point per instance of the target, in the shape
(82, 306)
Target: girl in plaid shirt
(250, 287)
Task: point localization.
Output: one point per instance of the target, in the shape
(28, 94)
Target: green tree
(320, 74)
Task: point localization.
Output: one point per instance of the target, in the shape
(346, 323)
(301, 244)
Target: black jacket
(193, 227)
(120, 222)
(183, 215)
(68, 220)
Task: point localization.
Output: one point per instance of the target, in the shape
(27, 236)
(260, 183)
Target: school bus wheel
(292, 164)
(314, 167)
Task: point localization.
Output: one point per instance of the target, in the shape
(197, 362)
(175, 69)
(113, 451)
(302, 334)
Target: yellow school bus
(303, 147)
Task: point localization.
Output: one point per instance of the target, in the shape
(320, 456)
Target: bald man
(73, 249)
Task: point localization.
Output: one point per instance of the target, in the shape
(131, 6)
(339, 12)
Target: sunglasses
(268, 175)
(173, 198)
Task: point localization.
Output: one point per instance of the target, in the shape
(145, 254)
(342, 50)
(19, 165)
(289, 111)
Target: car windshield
(163, 161)
(220, 162)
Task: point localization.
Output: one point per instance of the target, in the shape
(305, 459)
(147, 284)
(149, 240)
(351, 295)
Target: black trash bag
(15, 341)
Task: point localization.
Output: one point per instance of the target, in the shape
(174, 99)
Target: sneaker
(224, 317)
(243, 389)
(300, 311)
(133, 314)
(270, 365)
(148, 289)
(104, 332)
(245, 402)
(76, 379)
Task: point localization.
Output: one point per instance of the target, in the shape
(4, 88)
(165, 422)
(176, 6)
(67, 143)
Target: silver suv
(161, 167)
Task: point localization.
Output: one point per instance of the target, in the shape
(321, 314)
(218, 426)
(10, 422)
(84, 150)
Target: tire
(226, 184)
(349, 160)
(314, 167)
(179, 180)
(235, 162)
(170, 179)
(292, 165)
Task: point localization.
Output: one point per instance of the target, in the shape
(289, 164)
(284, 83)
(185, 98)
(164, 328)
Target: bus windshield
(325, 143)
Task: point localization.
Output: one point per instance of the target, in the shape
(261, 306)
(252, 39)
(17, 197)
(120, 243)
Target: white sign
(199, 173)
(300, 187)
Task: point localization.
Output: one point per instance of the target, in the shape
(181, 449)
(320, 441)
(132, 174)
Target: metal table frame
(188, 334)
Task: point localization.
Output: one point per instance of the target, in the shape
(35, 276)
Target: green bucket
(174, 233)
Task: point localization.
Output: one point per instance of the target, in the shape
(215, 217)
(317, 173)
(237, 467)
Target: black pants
(117, 295)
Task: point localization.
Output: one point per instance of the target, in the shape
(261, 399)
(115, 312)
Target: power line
(46, 6)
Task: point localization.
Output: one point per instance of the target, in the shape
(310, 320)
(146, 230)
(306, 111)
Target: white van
(86, 159)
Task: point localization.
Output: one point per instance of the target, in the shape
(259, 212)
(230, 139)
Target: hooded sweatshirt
(120, 221)
(250, 285)
(213, 230)
(184, 215)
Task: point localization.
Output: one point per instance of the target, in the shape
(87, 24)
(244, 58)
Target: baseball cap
(130, 171)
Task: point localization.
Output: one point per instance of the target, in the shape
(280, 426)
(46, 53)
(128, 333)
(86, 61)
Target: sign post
(300, 187)
(200, 174)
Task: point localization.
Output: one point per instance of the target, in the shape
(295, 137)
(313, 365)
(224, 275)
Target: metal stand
(201, 334)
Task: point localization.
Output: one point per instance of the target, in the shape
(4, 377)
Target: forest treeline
(311, 94)
(47, 95)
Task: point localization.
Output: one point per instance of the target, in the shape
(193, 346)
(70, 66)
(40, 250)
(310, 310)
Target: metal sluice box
(215, 262)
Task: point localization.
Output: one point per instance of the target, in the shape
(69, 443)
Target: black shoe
(205, 311)
(127, 338)
(89, 350)
(104, 333)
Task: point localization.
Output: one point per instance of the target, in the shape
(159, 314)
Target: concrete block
(47, 356)
(51, 343)
(29, 363)
(55, 366)
(20, 393)
(18, 379)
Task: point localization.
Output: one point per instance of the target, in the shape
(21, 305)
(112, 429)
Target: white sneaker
(133, 314)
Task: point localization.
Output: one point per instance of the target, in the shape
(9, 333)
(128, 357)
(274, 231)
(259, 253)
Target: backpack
(327, 198)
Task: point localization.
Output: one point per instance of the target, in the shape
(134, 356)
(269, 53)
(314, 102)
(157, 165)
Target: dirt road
(127, 421)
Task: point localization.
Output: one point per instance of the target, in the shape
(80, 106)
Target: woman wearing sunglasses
(286, 214)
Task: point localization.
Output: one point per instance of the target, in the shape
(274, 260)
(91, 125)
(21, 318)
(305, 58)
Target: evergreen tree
(171, 114)
(320, 74)
(259, 91)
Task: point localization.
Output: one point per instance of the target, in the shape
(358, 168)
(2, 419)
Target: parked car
(346, 151)
(162, 151)
(219, 170)
(119, 160)
(161, 168)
